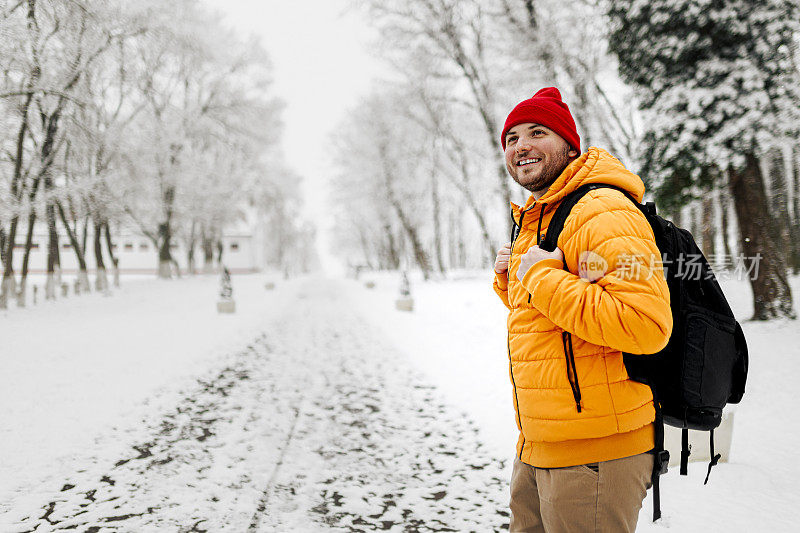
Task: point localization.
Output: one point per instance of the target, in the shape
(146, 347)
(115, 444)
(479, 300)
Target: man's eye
(511, 140)
(538, 132)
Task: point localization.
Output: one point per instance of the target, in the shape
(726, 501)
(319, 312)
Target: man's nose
(523, 145)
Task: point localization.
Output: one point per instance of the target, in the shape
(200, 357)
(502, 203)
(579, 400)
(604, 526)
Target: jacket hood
(594, 166)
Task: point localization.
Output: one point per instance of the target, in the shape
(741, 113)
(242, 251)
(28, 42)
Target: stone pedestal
(404, 304)
(226, 306)
(698, 440)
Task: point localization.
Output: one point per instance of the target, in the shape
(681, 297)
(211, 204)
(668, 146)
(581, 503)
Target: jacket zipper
(572, 372)
(508, 338)
(515, 235)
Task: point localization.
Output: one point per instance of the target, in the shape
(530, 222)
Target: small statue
(404, 302)
(226, 288)
(226, 304)
(405, 286)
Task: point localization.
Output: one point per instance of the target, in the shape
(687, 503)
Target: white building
(137, 254)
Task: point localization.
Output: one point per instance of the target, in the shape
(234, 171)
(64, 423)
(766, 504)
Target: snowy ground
(318, 407)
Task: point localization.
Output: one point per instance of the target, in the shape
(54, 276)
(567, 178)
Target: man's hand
(533, 256)
(502, 259)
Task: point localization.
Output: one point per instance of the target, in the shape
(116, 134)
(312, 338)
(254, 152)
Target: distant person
(582, 461)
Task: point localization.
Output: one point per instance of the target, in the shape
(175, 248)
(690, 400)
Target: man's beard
(551, 171)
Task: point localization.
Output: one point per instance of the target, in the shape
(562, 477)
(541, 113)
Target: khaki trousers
(601, 497)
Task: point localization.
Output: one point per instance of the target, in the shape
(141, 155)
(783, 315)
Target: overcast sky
(319, 51)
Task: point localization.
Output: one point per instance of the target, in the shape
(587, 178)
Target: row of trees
(701, 97)
(145, 114)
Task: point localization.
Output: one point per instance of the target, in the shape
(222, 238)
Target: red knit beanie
(546, 109)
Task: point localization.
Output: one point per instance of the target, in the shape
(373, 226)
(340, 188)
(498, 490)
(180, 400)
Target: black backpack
(704, 365)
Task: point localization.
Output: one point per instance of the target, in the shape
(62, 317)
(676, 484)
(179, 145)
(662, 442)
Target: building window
(66, 246)
(143, 246)
(128, 246)
(234, 246)
(173, 246)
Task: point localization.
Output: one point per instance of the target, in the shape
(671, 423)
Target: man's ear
(572, 153)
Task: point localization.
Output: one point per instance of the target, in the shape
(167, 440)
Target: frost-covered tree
(380, 187)
(719, 87)
(564, 43)
(207, 116)
(464, 64)
(460, 35)
(114, 111)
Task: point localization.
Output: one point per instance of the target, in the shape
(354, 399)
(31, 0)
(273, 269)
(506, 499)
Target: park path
(318, 425)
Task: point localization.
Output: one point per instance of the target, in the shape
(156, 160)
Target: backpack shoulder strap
(565, 207)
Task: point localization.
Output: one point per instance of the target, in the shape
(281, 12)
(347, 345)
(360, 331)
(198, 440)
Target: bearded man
(586, 429)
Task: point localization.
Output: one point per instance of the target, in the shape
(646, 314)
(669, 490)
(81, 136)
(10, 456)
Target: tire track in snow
(262, 503)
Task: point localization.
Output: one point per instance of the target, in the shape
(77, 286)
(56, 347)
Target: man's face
(536, 156)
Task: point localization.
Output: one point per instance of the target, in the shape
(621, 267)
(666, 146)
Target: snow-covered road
(317, 425)
(148, 411)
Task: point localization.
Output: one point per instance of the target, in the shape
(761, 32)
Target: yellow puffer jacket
(623, 308)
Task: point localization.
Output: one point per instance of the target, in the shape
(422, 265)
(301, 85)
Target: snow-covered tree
(719, 87)
(116, 111)
(380, 184)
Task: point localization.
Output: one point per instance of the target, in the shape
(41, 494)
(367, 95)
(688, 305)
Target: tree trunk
(708, 228)
(101, 279)
(779, 202)
(454, 231)
(365, 249)
(164, 253)
(3, 240)
(114, 259)
(411, 232)
(190, 249)
(725, 206)
(52, 251)
(165, 233)
(80, 253)
(416, 245)
(220, 251)
(772, 297)
(9, 282)
(84, 233)
(437, 225)
(394, 253)
(208, 252)
(23, 281)
(473, 206)
(796, 208)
